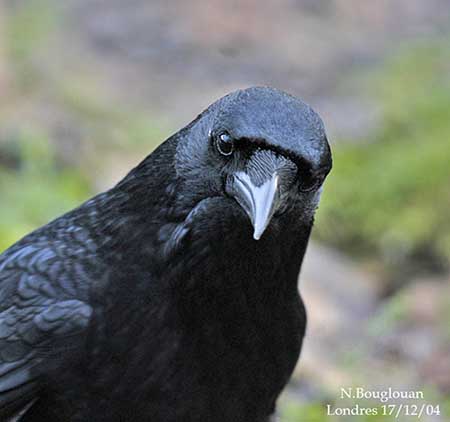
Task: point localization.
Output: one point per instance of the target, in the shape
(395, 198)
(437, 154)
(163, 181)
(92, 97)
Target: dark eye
(225, 144)
(310, 182)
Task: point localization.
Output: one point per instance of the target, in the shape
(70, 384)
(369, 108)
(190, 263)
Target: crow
(173, 296)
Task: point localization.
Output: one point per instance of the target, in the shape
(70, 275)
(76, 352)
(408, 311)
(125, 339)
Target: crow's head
(261, 147)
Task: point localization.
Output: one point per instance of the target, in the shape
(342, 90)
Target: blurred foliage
(74, 96)
(394, 312)
(389, 196)
(29, 25)
(34, 188)
(292, 411)
(109, 125)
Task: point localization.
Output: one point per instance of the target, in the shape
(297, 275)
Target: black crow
(173, 296)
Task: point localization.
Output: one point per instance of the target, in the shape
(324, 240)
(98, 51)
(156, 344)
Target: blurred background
(89, 87)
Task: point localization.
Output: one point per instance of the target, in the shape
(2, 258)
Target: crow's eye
(225, 144)
(309, 182)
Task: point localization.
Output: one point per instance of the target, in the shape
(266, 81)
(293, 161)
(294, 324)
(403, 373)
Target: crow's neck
(234, 265)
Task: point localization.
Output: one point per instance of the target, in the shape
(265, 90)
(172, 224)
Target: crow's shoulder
(44, 305)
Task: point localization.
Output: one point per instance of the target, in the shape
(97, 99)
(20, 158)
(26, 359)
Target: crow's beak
(259, 202)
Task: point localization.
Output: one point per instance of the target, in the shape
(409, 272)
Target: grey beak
(259, 202)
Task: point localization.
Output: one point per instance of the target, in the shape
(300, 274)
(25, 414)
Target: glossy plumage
(152, 301)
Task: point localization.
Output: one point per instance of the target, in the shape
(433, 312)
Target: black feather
(152, 301)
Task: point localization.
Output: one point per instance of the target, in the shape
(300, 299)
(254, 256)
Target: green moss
(38, 190)
(390, 195)
(111, 125)
(28, 27)
(294, 412)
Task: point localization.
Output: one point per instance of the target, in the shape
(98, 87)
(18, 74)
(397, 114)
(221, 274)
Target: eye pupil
(310, 183)
(225, 144)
